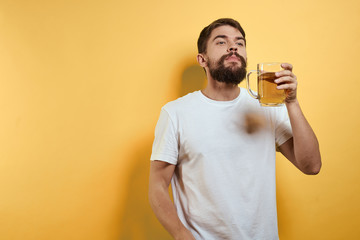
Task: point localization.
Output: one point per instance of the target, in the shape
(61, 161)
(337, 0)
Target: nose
(232, 49)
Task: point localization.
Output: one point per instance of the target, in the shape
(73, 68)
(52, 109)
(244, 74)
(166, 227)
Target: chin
(234, 65)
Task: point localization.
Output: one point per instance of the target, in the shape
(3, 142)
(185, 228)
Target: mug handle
(256, 96)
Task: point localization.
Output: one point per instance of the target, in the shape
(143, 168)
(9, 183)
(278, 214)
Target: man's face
(226, 55)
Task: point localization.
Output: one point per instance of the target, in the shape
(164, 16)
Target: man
(222, 174)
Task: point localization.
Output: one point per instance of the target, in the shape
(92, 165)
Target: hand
(287, 80)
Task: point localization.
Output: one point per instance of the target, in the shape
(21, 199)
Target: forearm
(165, 211)
(306, 146)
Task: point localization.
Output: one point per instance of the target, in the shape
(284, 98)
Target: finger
(287, 86)
(287, 66)
(285, 79)
(284, 73)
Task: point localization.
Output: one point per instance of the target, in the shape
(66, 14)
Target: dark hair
(206, 32)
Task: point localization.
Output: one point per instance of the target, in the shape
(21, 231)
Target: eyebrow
(224, 36)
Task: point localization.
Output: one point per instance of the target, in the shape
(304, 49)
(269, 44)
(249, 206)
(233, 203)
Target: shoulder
(182, 102)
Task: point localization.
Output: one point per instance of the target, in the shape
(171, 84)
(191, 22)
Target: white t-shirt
(224, 180)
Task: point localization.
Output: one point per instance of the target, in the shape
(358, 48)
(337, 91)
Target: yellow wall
(82, 84)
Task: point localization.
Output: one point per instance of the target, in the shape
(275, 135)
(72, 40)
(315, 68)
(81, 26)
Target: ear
(201, 60)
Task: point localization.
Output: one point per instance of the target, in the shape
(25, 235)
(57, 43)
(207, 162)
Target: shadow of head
(192, 79)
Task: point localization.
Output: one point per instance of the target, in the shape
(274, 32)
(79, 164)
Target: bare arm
(164, 209)
(303, 149)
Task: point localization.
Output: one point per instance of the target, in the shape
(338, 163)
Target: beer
(268, 93)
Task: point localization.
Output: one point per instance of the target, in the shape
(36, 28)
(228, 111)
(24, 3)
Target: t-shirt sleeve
(283, 131)
(165, 146)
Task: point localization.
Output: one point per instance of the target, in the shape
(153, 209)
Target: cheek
(216, 52)
(244, 54)
(210, 62)
(212, 59)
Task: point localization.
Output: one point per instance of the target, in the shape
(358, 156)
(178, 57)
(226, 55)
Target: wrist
(292, 103)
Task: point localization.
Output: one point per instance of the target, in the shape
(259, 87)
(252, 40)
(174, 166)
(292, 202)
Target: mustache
(222, 59)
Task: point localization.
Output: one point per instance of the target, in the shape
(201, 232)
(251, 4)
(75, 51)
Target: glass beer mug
(268, 94)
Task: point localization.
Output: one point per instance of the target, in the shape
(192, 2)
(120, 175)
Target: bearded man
(222, 175)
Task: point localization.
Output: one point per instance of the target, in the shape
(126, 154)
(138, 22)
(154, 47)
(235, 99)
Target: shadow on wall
(285, 224)
(139, 221)
(193, 78)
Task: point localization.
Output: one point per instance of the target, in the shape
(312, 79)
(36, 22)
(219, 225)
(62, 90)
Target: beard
(232, 74)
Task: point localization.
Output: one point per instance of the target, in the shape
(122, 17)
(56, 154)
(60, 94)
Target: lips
(233, 58)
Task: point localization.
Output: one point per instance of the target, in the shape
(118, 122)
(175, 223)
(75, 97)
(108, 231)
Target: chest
(219, 134)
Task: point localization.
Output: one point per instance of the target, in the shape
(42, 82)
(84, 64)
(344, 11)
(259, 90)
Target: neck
(221, 91)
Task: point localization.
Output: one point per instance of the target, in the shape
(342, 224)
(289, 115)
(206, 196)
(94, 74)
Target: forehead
(227, 31)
